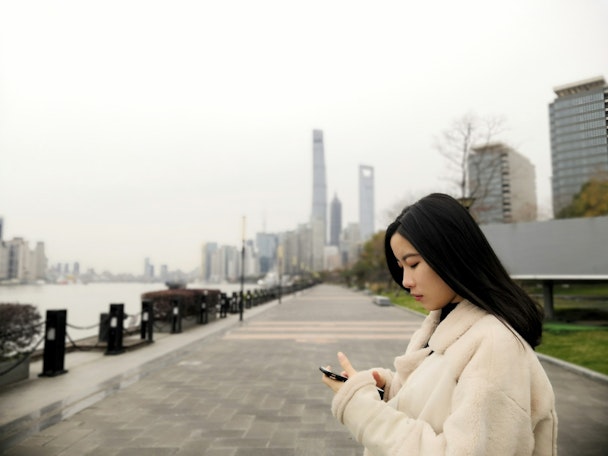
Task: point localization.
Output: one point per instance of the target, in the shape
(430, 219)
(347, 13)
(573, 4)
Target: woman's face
(423, 282)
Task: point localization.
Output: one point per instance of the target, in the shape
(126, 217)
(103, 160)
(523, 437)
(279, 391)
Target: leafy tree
(370, 269)
(591, 201)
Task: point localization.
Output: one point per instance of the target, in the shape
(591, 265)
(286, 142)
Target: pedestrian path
(254, 388)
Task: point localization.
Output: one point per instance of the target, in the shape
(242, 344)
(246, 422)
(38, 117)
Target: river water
(85, 303)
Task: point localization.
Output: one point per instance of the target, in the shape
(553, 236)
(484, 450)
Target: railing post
(54, 343)
(223, 305)
(147, 320)
(176, 320)
(204, 316)
(117, 316)
(234, 303)
(104, 327)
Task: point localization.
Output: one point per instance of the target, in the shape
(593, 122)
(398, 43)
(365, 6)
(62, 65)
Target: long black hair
(450, 241)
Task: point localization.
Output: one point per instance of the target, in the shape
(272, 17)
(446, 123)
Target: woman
(469, 382)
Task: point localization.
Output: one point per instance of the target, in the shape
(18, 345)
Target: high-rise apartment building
(503, 184)
(335, 221)
(579, 137)
(21, 264)
(366, 202)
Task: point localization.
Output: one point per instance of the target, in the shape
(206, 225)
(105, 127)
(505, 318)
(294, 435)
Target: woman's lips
(417, 297)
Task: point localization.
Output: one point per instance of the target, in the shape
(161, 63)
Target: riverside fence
(167, 311)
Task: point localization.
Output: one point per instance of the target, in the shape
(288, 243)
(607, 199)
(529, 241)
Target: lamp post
(242, 273)
(280, 269)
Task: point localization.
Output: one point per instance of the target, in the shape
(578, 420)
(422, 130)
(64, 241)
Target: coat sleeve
(484, 416)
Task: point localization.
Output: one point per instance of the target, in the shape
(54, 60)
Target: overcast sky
(133, 129)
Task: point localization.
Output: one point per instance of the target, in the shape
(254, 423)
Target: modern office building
(318, 218)
(208, 250)
(350, 244)
(579, 137)
(266, 244)
(366, 202)
(503, 185)
(148, 269)
(335, 221)
(319, 182)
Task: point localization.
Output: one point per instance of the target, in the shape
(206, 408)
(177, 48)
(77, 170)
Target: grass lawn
(584, 344)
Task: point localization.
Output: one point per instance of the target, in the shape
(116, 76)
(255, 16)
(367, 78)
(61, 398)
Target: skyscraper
(335, 221)
(366, 201)
(318, 219)
(319, 181)
(503, 183)
(579, 137)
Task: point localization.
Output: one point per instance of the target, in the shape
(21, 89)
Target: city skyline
(160, 136)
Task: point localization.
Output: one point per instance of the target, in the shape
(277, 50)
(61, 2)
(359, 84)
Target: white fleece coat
(476, 389)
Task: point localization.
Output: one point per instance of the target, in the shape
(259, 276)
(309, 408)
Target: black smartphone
(333, 375)
(340, 378)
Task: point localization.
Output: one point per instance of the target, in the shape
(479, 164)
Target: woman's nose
(408, 279)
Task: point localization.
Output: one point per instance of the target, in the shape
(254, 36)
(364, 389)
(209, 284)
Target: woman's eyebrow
(407, 255)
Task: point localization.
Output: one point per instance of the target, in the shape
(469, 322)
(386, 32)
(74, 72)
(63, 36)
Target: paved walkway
(250, 388)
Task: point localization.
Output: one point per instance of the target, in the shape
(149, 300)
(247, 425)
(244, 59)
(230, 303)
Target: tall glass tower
(366, 201)
(319, 183)
(579, 137)
(335, 221)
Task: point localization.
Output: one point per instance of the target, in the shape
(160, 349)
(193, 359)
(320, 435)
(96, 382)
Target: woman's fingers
(349, 370)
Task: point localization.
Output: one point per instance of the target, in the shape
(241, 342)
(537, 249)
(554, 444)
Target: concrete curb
(574, 368)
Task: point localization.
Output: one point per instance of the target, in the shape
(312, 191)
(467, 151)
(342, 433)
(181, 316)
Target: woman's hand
(380, 381)
(347, 372)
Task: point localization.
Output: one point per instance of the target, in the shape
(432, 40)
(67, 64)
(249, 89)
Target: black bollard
(54, 343)
(203, 316)
(115, 332)
(234, 303)
(248, 300)
(104, 327)
(147, 320)
(223, 305)
(176, 320)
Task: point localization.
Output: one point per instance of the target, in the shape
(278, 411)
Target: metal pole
(280, 269)
(242, 272)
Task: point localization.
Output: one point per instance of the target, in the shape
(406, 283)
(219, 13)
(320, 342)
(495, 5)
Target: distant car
(381, 300)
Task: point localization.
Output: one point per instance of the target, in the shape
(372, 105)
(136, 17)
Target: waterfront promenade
(251, 388)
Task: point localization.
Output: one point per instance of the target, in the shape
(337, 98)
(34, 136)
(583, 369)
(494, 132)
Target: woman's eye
(413, 266)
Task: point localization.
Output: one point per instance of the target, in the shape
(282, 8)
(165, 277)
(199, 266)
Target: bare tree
(390, 213)
(457, 144)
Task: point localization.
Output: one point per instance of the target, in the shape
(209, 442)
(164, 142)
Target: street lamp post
(242, 273)
(280, 269)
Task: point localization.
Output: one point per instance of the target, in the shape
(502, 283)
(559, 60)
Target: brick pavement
(255, 389)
